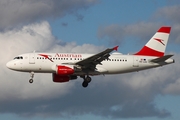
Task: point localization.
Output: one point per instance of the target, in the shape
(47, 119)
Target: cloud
(173, 78)
(27, 39)
(117, 96)
(20, 12)
(16, 42)
(166, 16)
(117, 33)
(169, 13)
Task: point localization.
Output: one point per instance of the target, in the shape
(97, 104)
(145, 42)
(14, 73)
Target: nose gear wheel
(32, 76)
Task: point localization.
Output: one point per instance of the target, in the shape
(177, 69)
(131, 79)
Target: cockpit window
(19, 57)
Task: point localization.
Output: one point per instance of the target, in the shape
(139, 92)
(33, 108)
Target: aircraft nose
(9, 65)
(14, 65)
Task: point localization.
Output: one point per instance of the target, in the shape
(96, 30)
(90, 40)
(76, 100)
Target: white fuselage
(116, 64)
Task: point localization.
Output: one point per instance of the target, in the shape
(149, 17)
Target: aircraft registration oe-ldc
(68, 66)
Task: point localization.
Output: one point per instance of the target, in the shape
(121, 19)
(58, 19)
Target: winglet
(115, 48)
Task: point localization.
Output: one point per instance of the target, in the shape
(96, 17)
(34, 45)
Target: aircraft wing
(92, 61)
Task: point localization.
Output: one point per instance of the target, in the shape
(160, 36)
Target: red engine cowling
(64, 70)
(60, 78)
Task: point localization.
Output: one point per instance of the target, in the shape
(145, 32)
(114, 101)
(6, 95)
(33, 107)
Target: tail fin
(156, 46)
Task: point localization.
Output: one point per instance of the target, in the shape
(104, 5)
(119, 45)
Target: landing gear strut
(86, 81)
(32, 76)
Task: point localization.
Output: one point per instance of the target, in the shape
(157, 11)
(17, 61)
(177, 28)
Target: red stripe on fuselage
(146, 51)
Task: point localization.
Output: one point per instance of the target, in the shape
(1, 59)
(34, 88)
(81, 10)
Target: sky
(88, 26)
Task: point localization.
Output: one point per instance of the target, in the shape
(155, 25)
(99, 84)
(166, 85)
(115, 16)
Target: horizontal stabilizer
(161, 59)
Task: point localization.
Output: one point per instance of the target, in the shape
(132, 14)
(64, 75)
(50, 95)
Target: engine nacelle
(60, 78)
(64, 70)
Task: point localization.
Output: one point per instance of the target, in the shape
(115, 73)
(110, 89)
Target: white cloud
(16, 42)
(32, 37)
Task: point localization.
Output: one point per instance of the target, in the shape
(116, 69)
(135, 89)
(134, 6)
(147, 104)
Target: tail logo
(159, 40)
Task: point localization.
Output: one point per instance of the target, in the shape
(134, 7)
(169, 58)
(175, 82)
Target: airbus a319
(69, 66)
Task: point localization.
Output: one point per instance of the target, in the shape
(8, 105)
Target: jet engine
(60, 78)
(64, 70)
(63, 74)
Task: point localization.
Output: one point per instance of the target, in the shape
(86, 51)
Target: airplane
(69, 66)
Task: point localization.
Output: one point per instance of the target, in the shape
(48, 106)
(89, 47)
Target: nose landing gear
(32, 76)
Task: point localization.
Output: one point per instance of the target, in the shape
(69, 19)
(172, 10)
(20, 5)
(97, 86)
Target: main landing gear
(86, 81)
(32, 76)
